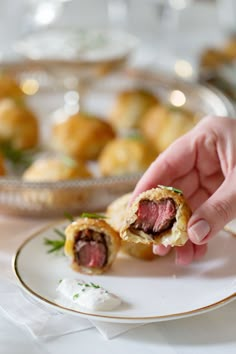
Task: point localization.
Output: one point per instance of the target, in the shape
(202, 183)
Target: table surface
(212, 332)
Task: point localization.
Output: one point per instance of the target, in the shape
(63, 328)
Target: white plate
(150, 291)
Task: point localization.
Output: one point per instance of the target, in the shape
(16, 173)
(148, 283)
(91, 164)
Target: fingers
(215, 212)
(161, 250)
(189, 252)
(185, 254)
(175, 162)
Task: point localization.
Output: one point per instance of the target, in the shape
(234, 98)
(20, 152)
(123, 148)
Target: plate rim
(102, 317)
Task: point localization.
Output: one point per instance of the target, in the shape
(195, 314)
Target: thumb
(215, 213)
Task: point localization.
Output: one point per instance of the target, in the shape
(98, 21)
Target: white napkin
(38, 319)
(44, 323)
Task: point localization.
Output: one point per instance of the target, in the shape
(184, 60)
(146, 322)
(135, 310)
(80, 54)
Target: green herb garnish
(89, 285)
(95, 285)
(171, 189)
(75, 296)
(58, 244)
(16, 157)
(60, 281)
(93, 216)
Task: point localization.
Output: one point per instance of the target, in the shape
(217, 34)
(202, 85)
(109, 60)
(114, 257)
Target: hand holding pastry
(202, 164)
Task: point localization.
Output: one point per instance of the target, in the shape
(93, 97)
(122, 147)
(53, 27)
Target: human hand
(202, 163)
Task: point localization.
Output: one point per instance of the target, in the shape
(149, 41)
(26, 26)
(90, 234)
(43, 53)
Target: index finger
(175, 162)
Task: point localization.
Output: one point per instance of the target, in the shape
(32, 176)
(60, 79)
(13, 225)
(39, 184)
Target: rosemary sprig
(170, 189)
(58, 244)
(93, 216)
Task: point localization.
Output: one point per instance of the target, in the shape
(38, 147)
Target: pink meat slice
(91, 254)
(155, 217)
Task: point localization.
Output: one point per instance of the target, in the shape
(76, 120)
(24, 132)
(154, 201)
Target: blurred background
(96, 89)
(167, 30)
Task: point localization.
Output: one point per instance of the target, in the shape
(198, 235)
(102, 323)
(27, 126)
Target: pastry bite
(162, 125)
(9, 87)
(157, 216)
(123, 156)
(81, 136)
(55, 169)
(116, 214)
(18, 125)
(129, 108)
(92, 244)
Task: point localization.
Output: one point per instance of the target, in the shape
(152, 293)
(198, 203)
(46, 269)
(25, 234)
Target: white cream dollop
(87, 295)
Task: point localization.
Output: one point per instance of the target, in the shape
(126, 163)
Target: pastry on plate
(116, 214)
(129, 108)
(81, 136)
(18, 125)
(9, 87)
(92, 244)
(123, 156)
(55, 169)
(162, 125)
(157, 216)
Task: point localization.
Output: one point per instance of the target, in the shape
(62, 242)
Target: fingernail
(199, 230)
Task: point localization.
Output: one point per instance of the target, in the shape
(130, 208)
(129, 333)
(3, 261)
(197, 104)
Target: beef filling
(90, 249)
(155, 217)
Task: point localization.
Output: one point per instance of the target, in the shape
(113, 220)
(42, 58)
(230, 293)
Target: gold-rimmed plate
(151, 291)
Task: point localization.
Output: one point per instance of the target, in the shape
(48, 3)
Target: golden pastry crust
(129, 108)
(138, 250)
(9, 87)
(18, 125)
(116, 214)
(98, 225)
(174, 236)
(55, 169)
(116, 211)
(125, 156)
(81, 136)
(162, 125)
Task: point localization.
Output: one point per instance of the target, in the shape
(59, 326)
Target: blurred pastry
(81, 136)
(213, 58)
(18, 125)
(129, 108)
(2, 166)
(230, 49)
(116, 214)
(92, 244)
(125, 156)
(157, 216)
(55, 169)
(162, 125)
(9, 87)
